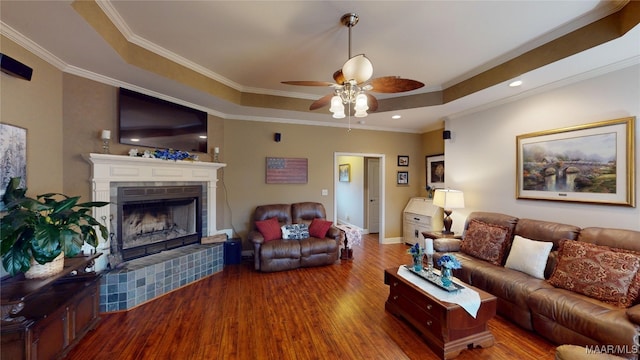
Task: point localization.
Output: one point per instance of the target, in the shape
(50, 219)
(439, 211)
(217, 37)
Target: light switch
(325, 192)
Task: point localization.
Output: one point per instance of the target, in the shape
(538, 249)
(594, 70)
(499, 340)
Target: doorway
(367, 181)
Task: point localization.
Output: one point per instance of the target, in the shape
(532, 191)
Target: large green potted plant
(42, 229)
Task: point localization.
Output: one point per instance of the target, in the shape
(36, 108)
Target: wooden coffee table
(447, 328)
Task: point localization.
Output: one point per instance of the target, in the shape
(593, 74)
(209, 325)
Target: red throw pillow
(319, 228)
(270, 229)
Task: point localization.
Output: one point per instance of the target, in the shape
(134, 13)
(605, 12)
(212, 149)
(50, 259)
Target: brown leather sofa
(281, 254)
(560, 315)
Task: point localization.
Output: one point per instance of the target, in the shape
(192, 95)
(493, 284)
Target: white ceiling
(252, 46)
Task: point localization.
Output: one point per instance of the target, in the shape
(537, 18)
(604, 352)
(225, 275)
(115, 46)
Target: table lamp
(447, 200)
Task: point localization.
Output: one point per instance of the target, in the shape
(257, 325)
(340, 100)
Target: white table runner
(467, 298)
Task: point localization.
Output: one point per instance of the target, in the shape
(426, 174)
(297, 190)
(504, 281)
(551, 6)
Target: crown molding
(117, 20)
(31, 46)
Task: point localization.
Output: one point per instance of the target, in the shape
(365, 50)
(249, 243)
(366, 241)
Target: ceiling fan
(353, 80)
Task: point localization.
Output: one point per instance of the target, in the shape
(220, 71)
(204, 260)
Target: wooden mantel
(107, 169)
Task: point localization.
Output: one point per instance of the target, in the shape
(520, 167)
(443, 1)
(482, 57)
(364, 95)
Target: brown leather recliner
(281, 254)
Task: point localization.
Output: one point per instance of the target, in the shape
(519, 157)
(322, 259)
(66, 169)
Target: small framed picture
(435, 171)
(403, 160)
(344, 172)
(403, 178)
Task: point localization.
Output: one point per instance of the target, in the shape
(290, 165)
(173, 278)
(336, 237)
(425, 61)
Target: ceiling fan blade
(309, 83)
(372, 102)
(338, 77)
(394, 84)
(322, 102)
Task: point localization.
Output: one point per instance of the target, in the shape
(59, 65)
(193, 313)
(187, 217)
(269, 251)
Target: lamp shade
(337, 108)
(448, 199)
(361, 102)
(358, 68)
(336, 104)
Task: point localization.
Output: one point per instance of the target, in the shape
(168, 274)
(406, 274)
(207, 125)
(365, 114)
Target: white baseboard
(393, 240)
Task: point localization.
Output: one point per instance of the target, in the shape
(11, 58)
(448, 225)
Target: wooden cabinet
(44, 319)
(420, 215)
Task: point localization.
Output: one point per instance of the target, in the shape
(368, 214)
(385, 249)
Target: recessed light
(515, 83)
(135, 139)
(202, 136)
(396, 117)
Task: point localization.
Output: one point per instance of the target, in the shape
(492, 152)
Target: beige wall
(432, 143)
(89, 107)
(37, 106)
(249, 142)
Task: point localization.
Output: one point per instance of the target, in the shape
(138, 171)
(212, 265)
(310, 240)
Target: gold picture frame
(592, 163)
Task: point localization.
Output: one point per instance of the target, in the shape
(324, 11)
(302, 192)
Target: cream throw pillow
(529, 256)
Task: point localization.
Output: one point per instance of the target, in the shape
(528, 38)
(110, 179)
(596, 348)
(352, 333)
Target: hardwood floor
(332, 312)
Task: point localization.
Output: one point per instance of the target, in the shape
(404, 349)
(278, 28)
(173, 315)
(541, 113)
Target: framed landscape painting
(592, 163)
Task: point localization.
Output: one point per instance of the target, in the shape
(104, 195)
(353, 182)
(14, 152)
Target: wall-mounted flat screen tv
(151, 122)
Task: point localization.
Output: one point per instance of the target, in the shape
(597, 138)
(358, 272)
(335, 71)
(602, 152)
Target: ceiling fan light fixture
(358, 68)
(361, 102)
(336, 104)
(337, 107)
(360, 113)
(353, 81)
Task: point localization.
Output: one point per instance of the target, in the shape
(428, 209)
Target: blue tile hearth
(141, 280)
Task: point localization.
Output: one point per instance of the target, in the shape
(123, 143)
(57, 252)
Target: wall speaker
(446, 135)
(277, 137)
(14, 67)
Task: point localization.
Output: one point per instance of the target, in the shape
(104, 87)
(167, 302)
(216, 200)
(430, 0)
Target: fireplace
(151, 219)
(177, 196)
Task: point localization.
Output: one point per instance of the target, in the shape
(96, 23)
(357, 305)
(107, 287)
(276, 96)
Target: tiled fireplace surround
(140, 280)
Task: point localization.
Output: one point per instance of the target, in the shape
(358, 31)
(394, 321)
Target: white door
(373, 195)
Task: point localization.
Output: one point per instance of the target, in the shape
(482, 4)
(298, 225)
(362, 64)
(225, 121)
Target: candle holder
(430, 265)
(105, 136)
(216, 154)
(105, 146)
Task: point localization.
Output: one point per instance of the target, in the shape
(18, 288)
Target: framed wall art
(286, 170)
(344, 172)
(592, 163)
(403, 178)
(13, 147)
(435, 171)
(403, 160)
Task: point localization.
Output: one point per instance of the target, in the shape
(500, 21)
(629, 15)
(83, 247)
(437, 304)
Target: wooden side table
(439, 235)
